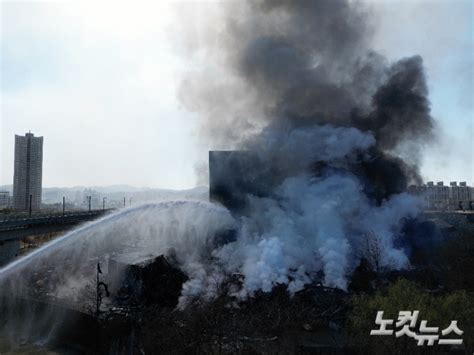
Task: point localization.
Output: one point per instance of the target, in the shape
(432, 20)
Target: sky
(99, 81)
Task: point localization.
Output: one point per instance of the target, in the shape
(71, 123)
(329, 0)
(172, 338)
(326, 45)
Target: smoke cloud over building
(327, 122)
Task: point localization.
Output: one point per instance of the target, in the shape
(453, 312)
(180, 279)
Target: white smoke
(314, 224)
(310, 223)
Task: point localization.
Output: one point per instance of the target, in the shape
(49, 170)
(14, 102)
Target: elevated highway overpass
(19, 226)
(14, 228)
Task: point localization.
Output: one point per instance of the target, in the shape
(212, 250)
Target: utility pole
(124, 202)
(64, 204)
(89, 198)
(99, 294)
(103, 203)
(31, 198)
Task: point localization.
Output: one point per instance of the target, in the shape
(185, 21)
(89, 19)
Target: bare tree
(94, 294)
(373, 250)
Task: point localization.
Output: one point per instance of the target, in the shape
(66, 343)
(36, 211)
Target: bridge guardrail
(23, 216)
(67, 218)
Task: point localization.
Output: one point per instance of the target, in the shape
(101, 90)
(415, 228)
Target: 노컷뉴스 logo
(426, 335)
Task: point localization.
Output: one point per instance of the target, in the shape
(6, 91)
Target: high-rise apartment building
(442, 197)
(4, 198)
(28, 171)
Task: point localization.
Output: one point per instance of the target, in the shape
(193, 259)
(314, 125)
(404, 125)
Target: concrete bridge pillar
(9, 249)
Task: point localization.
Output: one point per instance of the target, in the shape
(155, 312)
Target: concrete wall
(8, 251)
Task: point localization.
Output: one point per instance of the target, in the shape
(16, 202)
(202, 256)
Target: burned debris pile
(142, 314)
(147, 280)
(310, 319)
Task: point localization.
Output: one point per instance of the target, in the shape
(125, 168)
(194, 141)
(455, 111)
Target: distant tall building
(27, 177)
(441, 197)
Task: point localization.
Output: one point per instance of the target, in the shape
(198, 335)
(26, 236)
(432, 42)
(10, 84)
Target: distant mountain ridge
(117, 192)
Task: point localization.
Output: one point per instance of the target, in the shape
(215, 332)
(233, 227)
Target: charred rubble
(144, 317)
(146, 280)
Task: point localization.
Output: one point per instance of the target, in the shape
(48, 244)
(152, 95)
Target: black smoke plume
(293, 64)
(325, 122)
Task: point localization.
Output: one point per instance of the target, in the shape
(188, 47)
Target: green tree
(457, 261)
(404, 295)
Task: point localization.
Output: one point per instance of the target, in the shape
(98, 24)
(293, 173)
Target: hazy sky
(98, 80)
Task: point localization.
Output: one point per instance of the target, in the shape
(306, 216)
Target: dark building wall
(233, 175)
